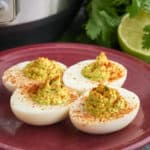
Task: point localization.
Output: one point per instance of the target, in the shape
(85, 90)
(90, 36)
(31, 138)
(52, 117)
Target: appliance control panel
(7, 11)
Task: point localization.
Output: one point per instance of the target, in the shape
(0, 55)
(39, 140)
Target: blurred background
(110, 23)
(35, 21)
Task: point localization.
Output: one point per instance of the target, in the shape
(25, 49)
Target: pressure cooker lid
(14, 12)
(7, 11)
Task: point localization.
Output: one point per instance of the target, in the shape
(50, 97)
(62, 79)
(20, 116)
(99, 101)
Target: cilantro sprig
(137, 6)
(104, 17)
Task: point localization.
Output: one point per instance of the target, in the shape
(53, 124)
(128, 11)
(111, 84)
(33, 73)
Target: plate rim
(84, 46)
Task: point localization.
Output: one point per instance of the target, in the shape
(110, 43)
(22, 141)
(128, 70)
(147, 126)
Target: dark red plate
(17, 135)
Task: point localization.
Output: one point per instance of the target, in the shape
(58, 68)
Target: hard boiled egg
(29, 111)
(74, 78)
(14, 76)
(89, 123)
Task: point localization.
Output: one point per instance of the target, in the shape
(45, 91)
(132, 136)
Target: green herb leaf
(145, 4)
(134, 8)
(92, 29)
(146, 37)
(137, 6)
(103, 21)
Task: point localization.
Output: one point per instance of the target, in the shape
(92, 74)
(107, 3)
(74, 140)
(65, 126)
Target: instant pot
(34, 21)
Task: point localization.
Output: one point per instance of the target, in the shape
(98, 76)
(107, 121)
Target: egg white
(30, 112)
(94, 126)
(74, 79)
(14, 77)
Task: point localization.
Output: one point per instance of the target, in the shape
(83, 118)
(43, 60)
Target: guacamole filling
(42, 68)
(101, 70)
(53, 92)
(106, 103)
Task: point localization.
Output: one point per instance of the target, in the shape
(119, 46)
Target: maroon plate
(17, 135)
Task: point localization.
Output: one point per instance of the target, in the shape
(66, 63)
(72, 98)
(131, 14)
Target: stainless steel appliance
(34, 21)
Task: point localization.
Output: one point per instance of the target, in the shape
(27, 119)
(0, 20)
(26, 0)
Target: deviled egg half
(42, 104)
(31, 72)
(104, 110)
(89, 73)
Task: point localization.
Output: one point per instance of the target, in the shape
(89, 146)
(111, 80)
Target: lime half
(130, 34)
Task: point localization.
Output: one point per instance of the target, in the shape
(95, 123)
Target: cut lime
(130, 34)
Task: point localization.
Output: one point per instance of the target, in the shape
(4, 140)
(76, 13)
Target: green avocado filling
(105, 103)
(97, 71)
(53, 92)
(42, 68)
